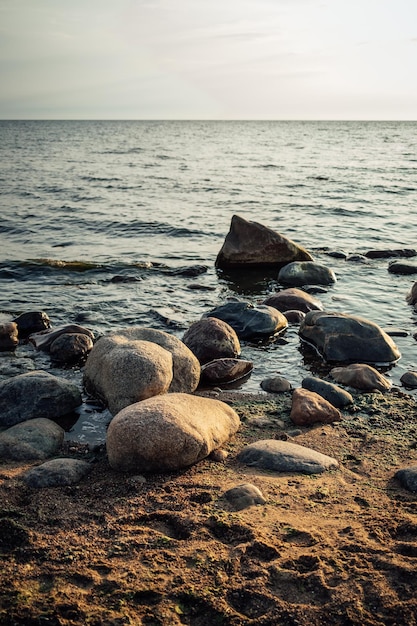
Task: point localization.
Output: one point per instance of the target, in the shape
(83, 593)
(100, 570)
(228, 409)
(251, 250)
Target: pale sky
(208, 59)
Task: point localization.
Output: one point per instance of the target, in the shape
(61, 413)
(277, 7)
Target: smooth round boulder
(293, 299)
(250, 321)
(276, 384)
(409, 380)
(252, 244)
(185, 365)
(121, 371)
(306, 273)
(169, 432)
(36, 394)
(71, 347)
(361, 376)
(211, 338)
(339, 337)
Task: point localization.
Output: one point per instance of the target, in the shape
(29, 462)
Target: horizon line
(202, 119)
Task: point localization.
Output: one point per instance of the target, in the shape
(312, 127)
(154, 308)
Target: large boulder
(185, 365)
(212, 338)
(36, 394)
(293, 299)
(250, 243)
(250, 321)
(340, 337)
(121, 371)
(306, 273)
(168, 432)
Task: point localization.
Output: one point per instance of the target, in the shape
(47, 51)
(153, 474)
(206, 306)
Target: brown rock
(309, 408)
(253, 244)
(225, 371)
(293, 298)
(361, 376)
(8, 336)
(211, 338)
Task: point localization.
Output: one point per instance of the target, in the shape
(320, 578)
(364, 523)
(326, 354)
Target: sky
(208, 59)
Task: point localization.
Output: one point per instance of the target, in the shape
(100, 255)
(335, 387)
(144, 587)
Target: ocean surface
(112, 224)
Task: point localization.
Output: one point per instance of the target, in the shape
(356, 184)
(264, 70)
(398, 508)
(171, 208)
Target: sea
(111, 224)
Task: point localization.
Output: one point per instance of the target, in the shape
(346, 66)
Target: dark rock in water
(293, 298)
(306, 273)
(56, 473)
(357, 258)
(337, 254)
(192, 270)
(211, 338)
(332, 393)
(395, 332)
(32, 322)
(8, 337)
(277, 384)
(244, 496)
(249, 321)
(36, 394)
(44, 339)
(386, 254)
(71, 347)
(347, 338)
(283, 456)
(411, 297)
(398, 267)
(294, 317)
(37, 438)
(250, 243)
(408, 477)
(222, 371)
(120, 278)
(409, 380)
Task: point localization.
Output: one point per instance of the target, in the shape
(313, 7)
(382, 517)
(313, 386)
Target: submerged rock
(250, 321)
(347, 338)
(168, 432)
(250, 243)
(306, 273)
(402, 267)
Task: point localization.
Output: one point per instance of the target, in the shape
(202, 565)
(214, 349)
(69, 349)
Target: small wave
(99, 179)
(270, 166)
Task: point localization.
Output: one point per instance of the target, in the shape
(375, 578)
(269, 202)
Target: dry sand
(335, 548)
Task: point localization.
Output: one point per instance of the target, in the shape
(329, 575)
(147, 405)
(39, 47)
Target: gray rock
(211, 338)
(386, 254)
(36, 394)
(250, 321)
(306, 273)
(402, 267)
(408, 477)
(244, 496)
(409, 380)
(35, 439)
(250, 243)
(293, 299)
(283, 456)
(340, 337)
(71, 347)
(121, 371)
(276, 384)
(332, 393)
(168, 432)
(56, 473)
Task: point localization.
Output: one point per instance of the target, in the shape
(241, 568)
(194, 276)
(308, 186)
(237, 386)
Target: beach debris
(284, 456)
(168, 432)
(309, 408)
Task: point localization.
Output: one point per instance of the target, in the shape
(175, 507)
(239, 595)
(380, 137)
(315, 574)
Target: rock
(409, 380)
(360, 376)
(8, 337)
(306, 273)
(36, 394)
(168, 432)
(244, 496)
(408, 477)
(185, 365)
(332, 393)
(340, 337)
(386, 254)
(34, 439)
(277, 384)
(211, 338)
(249, 321)
(32, 322)
(222, 371)
(357, 258)
(56, 473)
(121, 371)
(412, 294)
(219, 455)
(401, 267)
(71, 347)
(44, 339)
(250, 243)
(309, 408)
(284, 456)
(293, 298)
(294, 317)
